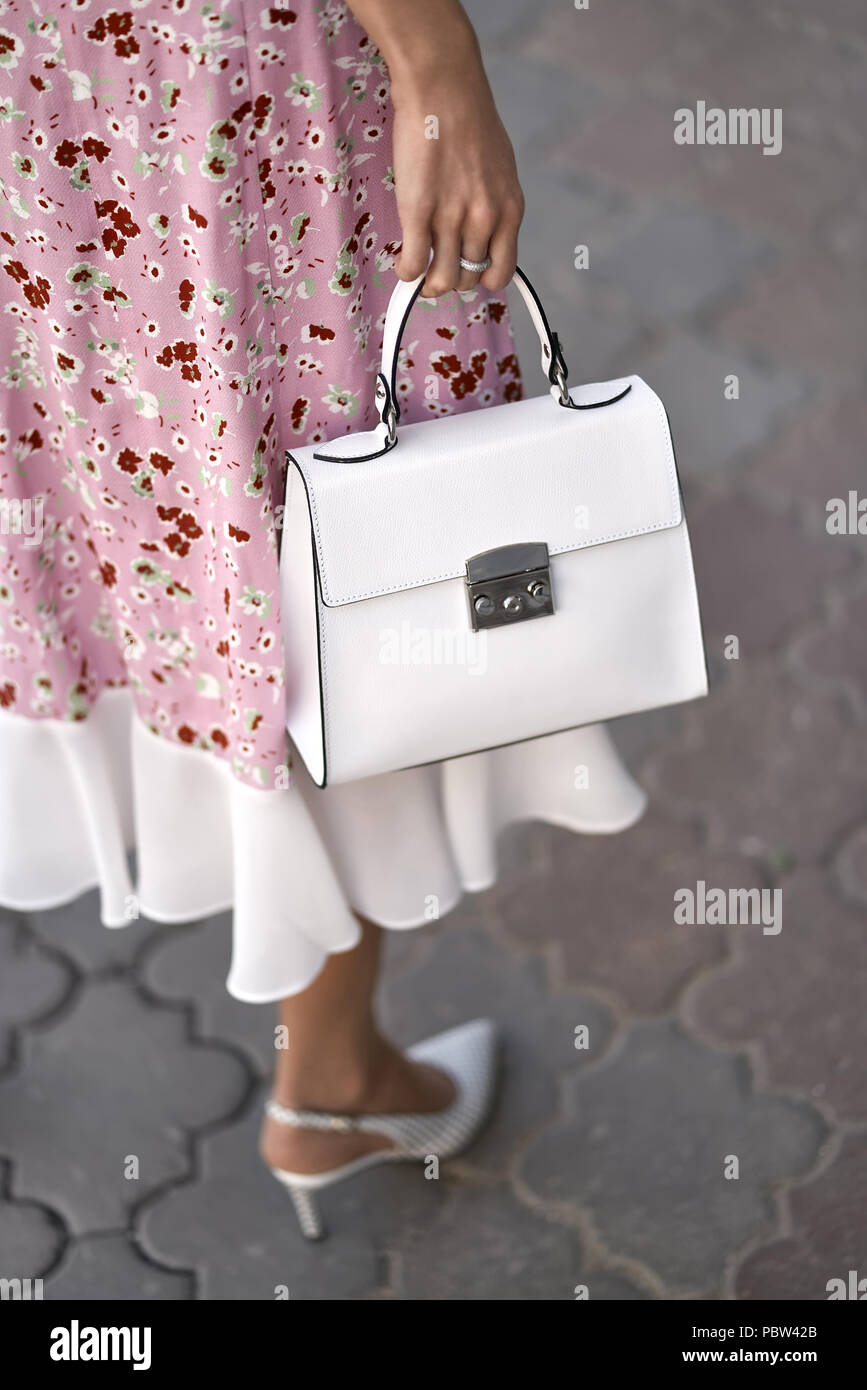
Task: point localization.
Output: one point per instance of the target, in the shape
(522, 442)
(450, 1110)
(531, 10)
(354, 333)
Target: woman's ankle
(374, 1078)
(334, 1078)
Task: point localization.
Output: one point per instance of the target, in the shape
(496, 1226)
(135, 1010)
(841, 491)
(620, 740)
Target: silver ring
(475, 266)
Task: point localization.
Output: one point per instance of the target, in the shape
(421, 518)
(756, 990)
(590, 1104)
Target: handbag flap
(462, 484)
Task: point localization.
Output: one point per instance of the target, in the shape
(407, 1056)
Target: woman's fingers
(415, 252)
(444, 269)
(483, 231)
(475, 240)
(503, 253)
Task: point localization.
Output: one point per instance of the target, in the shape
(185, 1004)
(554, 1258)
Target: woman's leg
(336, 1059)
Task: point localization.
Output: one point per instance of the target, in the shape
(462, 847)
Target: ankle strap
(312, 1119)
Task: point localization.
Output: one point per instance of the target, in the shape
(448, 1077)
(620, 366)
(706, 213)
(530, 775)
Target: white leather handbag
(480, 579)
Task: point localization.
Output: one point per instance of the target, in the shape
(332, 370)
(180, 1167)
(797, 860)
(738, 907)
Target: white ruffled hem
(293, 864)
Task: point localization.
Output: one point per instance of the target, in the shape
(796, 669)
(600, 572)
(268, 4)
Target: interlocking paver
(830, 1237)
(628, 41)
(821, 456)
(111, 1081)
(630, 144)
(775, 767)
(836, 654)
(850, 867)
(484, 1245)
(713, 434)
(31, 1238)
(192, 965)
(759, 576)
(812, 317)
(616, 930)
(95, 1265)
(537, 111)
(645, 1153)
(810, 1041)
(235, 1227)
(680, 259)
(470, 975)
(76, 931)
(31, 981)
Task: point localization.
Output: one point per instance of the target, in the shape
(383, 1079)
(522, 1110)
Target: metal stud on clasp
(509, 585)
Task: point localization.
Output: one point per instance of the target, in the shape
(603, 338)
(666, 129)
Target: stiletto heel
(467, 1054)
(306, 1210)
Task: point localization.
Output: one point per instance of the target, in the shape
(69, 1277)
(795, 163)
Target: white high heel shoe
(468, 1054)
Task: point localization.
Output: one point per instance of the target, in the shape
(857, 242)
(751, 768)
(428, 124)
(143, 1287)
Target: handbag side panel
(299, 607)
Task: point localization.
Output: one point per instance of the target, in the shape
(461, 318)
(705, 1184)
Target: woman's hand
(455, 177)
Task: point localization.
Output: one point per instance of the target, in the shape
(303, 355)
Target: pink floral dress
(196, 251)
(197, 242)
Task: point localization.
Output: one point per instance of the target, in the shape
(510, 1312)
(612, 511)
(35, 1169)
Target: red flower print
(161, 462)
(65, 155)
(128, 461)
(446, 366)
(95, 148)
(8, 694)
(186, 294)
(37, 293)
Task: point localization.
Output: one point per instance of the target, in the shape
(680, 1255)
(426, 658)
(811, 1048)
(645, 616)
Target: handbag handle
(403, 297)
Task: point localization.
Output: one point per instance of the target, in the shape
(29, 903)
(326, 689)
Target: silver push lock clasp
(509, 585)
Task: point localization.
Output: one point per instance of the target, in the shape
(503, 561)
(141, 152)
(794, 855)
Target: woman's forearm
(418, 37)
(455, 179)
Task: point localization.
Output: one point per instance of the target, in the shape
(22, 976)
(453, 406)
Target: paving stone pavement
(131, 1084)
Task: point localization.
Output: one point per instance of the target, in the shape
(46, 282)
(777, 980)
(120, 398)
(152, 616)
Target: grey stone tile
(829, 1235)
(711, 434)
(759, 576)
(32, 982)
(813, 1041)
(532, 107)
(77, 932)
(31, 1238)
(646, 1147)
(638, 734)
(850, 866)
(112, 1079)
(469, 975)
(608, 903)
(494, 22)
(679, 260)
(191, 965)
(778, 771)
(485, 1246)
(109, 1267)
(235, 1226)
